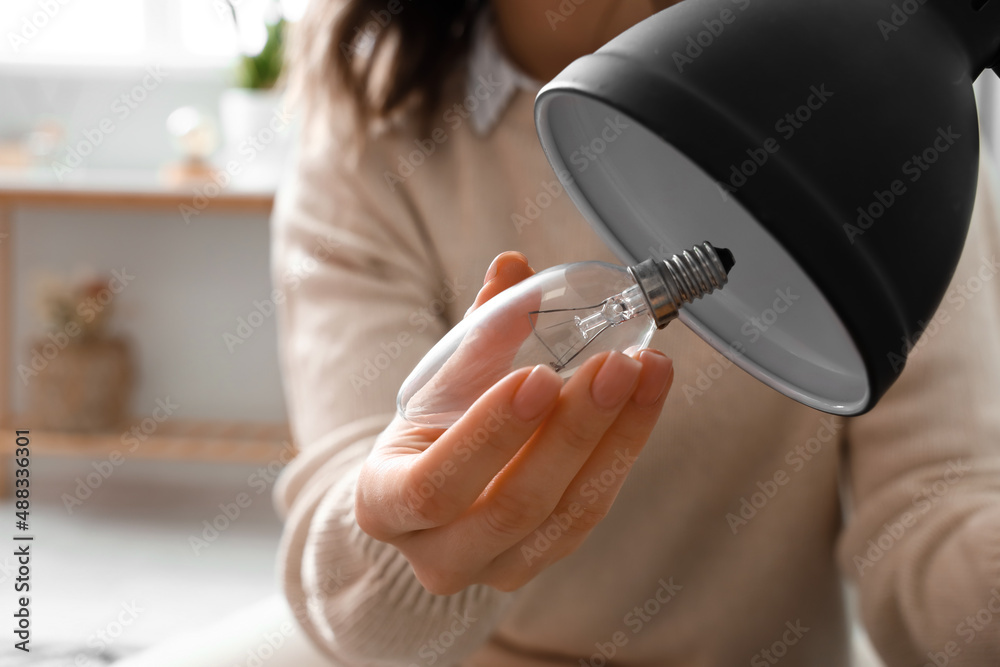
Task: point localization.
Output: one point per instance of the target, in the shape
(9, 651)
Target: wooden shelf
(173, 440)
(128, 188)
(213, 441)
(249, 203)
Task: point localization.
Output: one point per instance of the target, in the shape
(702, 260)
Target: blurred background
(141, 144)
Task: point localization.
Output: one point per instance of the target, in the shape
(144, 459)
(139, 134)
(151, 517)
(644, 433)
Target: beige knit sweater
(728, 543)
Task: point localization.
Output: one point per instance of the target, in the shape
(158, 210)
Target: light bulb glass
(559, 317)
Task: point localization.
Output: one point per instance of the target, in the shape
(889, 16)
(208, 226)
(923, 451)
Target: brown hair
(387, 56)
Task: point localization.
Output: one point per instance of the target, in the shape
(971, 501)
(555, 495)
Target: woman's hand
(523, 477)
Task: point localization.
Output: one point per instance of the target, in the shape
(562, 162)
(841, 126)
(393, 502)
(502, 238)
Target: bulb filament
(566, 338)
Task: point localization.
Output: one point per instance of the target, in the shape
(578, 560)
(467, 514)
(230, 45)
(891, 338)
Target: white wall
(191, 282)
(190, 286)
(988, 94)
(80, 98)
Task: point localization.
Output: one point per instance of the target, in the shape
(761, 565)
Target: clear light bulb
(560, 317)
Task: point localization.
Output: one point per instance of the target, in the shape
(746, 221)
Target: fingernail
(501, 262)
(615, 380)
(656, 371)
(536, 393)
(491, 272)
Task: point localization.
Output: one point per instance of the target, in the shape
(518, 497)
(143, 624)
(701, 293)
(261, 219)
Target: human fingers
(528, 489)
(416, 492)
(590, 495)
(507, 269)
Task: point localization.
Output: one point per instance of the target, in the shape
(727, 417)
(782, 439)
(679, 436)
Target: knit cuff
(366, 603)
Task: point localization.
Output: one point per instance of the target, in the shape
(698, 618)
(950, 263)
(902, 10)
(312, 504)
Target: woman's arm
(923, 543)
(358, 284)
(459, 517)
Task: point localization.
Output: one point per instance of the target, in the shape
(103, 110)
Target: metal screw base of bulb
(690, 275)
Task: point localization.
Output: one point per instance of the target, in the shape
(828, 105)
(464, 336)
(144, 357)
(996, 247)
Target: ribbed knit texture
(396, 266)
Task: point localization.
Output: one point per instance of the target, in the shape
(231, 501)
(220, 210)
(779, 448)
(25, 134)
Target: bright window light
(130, 32)
(50, 29)
(207, 28)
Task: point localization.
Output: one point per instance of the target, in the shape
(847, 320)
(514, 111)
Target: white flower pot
(255, 130)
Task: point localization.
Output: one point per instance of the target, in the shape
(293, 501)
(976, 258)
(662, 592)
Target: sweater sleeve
(923, 539)
(358, 287)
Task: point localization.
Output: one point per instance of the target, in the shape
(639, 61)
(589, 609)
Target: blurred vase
(256, 129)
(193, 133)
(85, 386)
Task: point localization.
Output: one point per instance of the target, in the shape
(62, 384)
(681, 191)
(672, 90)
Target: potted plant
(246, 110)
(78, 375)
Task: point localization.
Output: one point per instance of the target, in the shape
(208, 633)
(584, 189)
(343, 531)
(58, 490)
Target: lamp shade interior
(647, 199)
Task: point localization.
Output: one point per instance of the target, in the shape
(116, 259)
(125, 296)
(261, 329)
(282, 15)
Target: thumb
(508, 269)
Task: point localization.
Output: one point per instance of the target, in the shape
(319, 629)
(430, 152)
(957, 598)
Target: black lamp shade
(832, 145)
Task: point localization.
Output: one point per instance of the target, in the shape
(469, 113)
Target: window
(130, 32)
